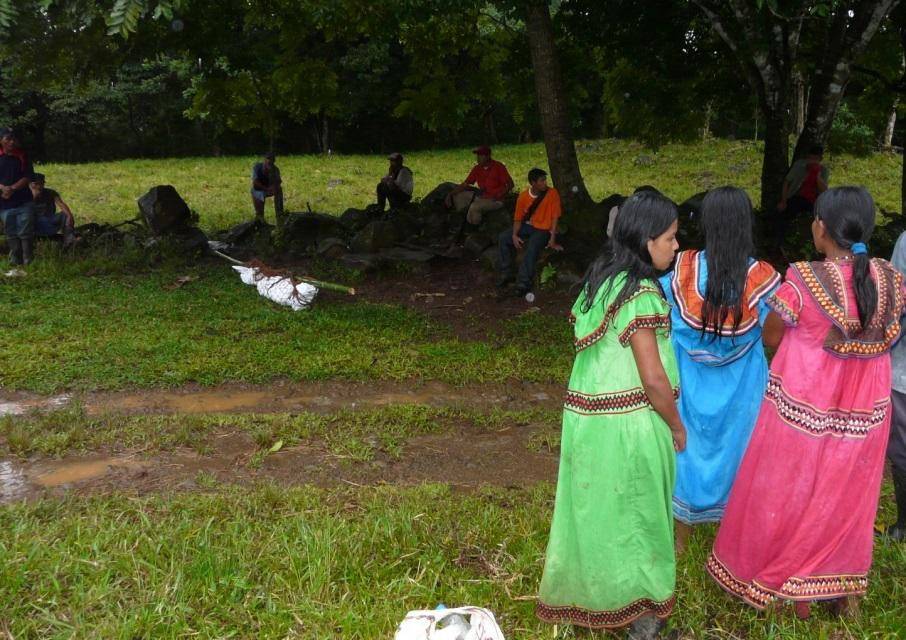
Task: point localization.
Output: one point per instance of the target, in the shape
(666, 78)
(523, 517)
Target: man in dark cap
(266, 183)
(397, 185)
(493, 181)
(15, 198)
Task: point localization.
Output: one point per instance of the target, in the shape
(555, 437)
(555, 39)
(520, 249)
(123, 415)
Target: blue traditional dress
(723, 380)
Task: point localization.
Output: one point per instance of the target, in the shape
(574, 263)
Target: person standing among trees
(397, 185)
(610, 559)
(534, 228)
(718, 307)
(266, 183)
(804, 182)
(16, 208)
(493, 181)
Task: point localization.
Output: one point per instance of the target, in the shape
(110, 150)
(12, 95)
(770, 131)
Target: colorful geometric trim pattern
(805, 417)
(609, 403)
(588, 340)
(761, 279)
(656, 321)
(782, 308)
(825, 283)
(604, 619)
(811, 588)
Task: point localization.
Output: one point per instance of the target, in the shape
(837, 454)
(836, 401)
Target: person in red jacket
(493, 181)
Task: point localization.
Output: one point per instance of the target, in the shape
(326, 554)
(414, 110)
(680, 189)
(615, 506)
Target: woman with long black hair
(718, 298)
(610, 559)
(800, 520)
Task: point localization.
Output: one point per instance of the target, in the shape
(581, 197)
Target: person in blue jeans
(15, 199)
(535, 219)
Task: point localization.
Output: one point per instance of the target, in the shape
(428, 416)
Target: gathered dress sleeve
(786, 301)
(645, 309)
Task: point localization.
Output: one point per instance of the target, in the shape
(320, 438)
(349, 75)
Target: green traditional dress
(610, 556)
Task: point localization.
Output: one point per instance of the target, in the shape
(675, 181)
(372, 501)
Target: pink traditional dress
(799, 521)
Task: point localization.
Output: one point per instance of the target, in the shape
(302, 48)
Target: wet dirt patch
(465, 456)
(280, 397)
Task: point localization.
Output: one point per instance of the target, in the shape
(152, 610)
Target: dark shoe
(28, 250)
(504, 279)
(15, 251)
(897, 531)
(648, 627)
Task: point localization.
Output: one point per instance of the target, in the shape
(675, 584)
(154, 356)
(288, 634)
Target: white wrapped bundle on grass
(281, 290)
(279, 286)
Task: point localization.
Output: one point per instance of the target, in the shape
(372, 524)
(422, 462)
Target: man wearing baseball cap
(493, 181)
(15, 198)
(397, 185)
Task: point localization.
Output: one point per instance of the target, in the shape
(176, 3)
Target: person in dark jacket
(15, 198)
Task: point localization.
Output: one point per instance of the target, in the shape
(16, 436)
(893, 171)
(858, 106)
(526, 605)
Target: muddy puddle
(285, 397)
(464, 457)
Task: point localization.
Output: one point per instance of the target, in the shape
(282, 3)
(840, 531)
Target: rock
(493, 222)
(407, 225)
(435, 225)
(407, 258)
(692, 206)
(302, 232)
(164, 211)
(332, 248)
(643, 160)
(243, 233)
(475, 244)
(362, 262)
(488, 259)
(355, 219)
(435, 199)
(377, 235)
(191, 240)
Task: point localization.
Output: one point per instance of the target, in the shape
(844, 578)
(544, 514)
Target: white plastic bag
(423, 625)
(279, 289)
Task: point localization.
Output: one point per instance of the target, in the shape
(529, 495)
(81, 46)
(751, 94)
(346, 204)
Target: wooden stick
(331, 286)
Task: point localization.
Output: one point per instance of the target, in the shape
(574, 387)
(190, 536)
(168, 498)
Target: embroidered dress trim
(687, 514)
(789, 315)
(609, 403)
(604, 619)
(817, 422)
(656, 321)
(825, 283)
(811, 588)
(609, 315)
(689, 300)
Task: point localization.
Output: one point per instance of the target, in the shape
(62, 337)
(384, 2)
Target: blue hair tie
(859, 247)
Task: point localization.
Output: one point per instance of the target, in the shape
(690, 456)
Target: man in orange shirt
(534, 228)
(493, 181)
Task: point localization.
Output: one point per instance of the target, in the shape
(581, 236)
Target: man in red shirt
(493, 181)
(534, 227)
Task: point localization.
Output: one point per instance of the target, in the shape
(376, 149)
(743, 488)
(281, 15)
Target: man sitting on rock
(48, 221)
(534, 228)
(266, 183)
(397, 185)
(15, 198)
(493, 181)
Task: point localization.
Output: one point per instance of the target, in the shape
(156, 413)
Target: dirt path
(464, 457)
(289, 397)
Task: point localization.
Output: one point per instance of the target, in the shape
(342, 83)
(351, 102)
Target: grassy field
(217, 188)
(229, 561)
(306, 563)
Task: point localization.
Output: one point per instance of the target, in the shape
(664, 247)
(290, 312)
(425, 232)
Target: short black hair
(536, 174)
(38, 177)
(816, 150)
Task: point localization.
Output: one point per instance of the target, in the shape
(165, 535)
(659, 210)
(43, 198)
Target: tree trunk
(775, 162)
(554, 108)
(887, 137)
(799, 102)
(848, 38)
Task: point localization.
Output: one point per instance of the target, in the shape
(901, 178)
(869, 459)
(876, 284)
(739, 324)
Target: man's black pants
(534, 242)
(396, 197)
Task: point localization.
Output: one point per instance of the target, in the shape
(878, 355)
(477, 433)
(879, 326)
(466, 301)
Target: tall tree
(766, 41)
(553, 107)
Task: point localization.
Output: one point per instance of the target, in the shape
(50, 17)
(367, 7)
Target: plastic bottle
(451, 627)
